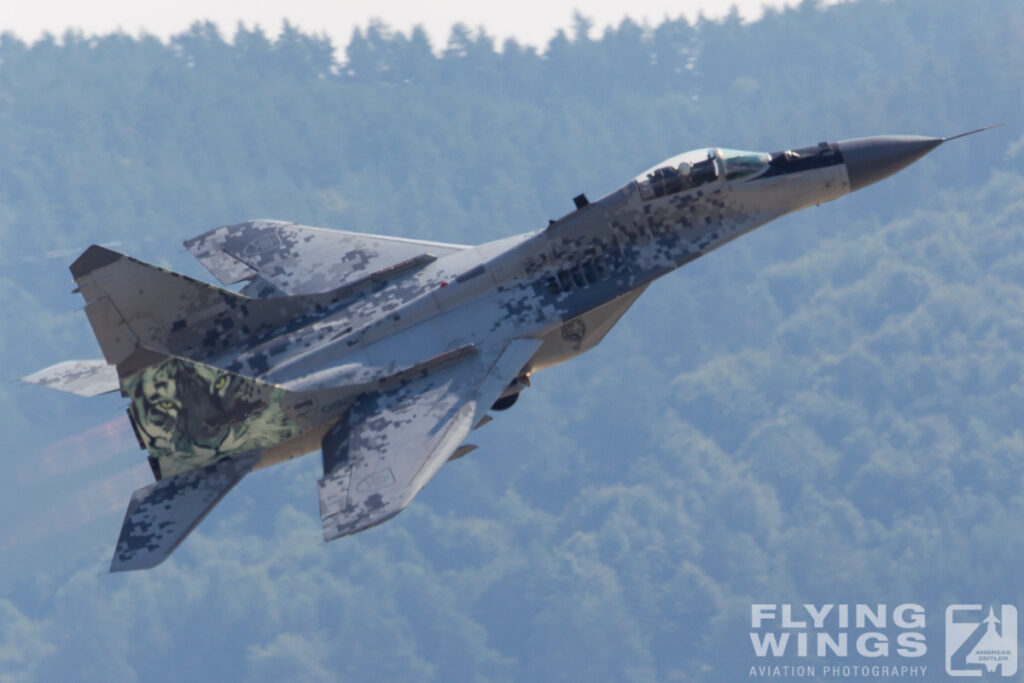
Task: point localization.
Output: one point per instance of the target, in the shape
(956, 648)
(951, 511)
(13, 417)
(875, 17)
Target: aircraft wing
(297, 259)
(389, 445)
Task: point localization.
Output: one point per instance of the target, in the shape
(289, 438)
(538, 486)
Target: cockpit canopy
(700, 166)
(682, 172)
(740, 165)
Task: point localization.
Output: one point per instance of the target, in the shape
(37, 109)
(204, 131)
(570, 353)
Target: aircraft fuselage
(542, 284)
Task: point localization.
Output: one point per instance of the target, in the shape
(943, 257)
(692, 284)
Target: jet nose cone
(869, 160)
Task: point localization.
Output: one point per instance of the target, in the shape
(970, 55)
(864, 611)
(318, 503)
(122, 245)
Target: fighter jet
(385, 353)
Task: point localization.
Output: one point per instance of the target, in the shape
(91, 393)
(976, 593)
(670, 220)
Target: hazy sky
(529, 21)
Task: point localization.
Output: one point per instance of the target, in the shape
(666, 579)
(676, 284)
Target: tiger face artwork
(191, 415)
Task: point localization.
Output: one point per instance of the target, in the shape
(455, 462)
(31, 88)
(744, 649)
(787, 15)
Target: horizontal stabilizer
(82, 377)
(161, 515)
(298, 259)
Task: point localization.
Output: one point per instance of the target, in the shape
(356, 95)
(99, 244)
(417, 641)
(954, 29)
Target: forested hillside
(828, 410)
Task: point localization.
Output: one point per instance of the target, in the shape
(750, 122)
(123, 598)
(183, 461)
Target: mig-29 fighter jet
(385, 353)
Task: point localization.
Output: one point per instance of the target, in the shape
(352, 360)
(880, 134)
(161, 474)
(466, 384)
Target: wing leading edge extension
(379, 456)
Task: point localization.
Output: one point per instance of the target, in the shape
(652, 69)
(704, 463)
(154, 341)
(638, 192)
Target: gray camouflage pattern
(385, 352)
(301, 260)
(82, 377)
(160, 515)
(392, 442)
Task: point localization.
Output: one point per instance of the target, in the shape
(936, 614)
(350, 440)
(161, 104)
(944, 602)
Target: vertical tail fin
(189, 415)
(132, 304)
